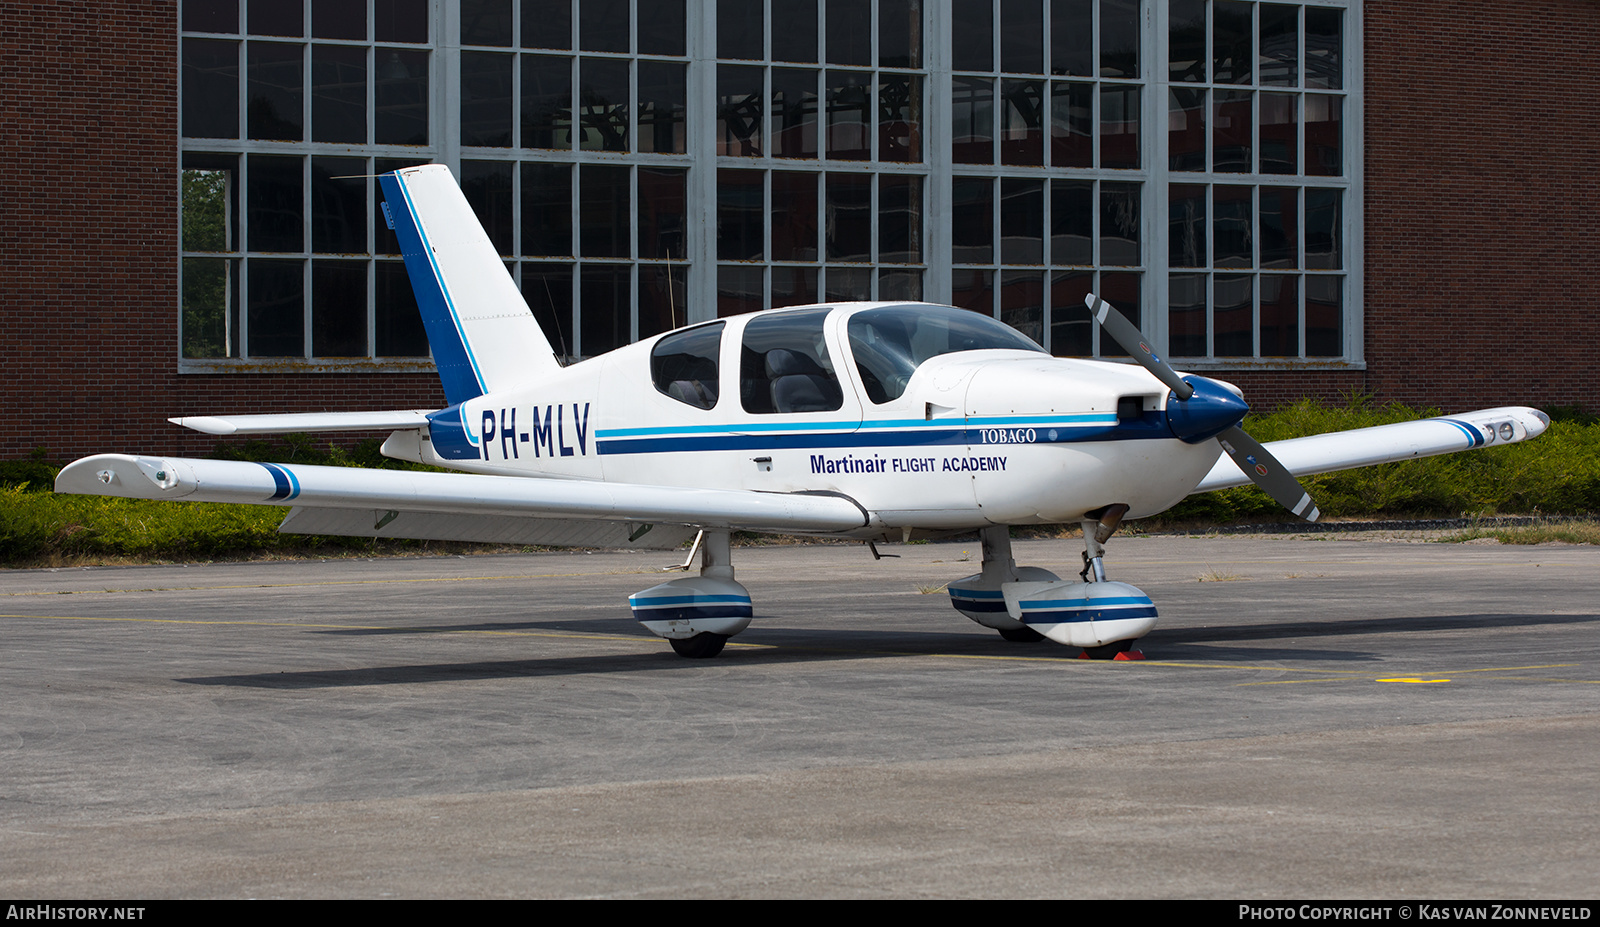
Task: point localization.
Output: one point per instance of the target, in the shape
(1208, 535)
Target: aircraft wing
(1345, 450)
(490, 500)
(305, 421)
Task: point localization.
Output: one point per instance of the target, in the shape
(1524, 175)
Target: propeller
(1206, 409)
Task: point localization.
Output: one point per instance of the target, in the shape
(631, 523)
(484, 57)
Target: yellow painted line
(1364, 676)
(1415, 680)
(342, 582)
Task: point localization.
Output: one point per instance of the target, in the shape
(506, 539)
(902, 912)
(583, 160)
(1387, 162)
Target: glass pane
(285, 19)
(1122, 291)
(548, 291)
(1021, 222)
(339, 308)
(1324, 140)
(607, 305)
(1186, 236)
(210, 88)
(850, 116)
(546, 209)
(794, 112)
(1119, 126)
(895, 283)
(899, 117)
(1324, 316)
(794, 31)
(1071, 124)
(849, 217)
(849, 284)
(400, 20)
(486, 99)
(1233, 327)
(662, 101)
(1119, 223)
(1186, 315)
(210, 207)
(1022, 36)
(546, 101)
(972, 289)
(1280, 316)
(1231, 32)
(1280, 132)
(339, 19)
(605, 210)
(210, 307)
(1072, 222)
(398, 324)
(662, 28)
(1324, 52)
(277, 308)
(275, 91)
(1022, 122)
(1233, 234)
(741, 209)
(1186, 48)
(1280, 45)
(900, 33)
(794, 286)
(1119, 38)
(485, 22)
(338, 94)
(1231, 128)
(972, 113)
(849, 32)
(603, 104)
(899, 219)
(1071, 328)
(339, 209)
(1022, 302)
(794, 219)
(402, 95)
(739, 111)
(663, 291)
(740, 289)
(1324, 229)
(663, 212)
(487, 186)
(547, 24)
(1072, 38)
(211, 16)
(972, 217)
(602, 27)
(972, 34)
(1186, 129)
(274, 205)
(1280, 227)
(740, 29)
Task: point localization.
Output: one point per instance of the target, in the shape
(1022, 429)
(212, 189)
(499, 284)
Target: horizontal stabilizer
(306, 421)
(1362, 447)
(190, 480)
(492, 529)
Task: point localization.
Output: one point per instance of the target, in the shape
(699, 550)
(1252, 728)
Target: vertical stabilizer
(483, 336)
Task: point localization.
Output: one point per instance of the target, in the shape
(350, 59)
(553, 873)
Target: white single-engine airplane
(876, 421)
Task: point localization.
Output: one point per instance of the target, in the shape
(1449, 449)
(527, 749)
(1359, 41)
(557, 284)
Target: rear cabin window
(684, 365)
(784, 365)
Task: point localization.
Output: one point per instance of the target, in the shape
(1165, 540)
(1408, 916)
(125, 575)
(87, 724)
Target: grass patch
(1570, 532)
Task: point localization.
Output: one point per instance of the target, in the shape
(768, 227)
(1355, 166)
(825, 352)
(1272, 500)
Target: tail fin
(484, 338)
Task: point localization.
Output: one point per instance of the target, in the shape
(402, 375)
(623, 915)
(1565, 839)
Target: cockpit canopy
(890, 343)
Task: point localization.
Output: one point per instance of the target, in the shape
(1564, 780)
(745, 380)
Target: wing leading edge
(1362, 447)
(464, 494)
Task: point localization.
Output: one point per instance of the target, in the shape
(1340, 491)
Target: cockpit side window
(784, 365)
(684, 365)
(889, 344)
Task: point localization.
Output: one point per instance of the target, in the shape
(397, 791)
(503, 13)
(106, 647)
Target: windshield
(889, 344)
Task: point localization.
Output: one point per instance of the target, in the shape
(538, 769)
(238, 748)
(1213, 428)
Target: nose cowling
(1212, 410)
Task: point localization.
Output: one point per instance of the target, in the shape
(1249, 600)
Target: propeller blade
(1265, 471)
(1132, 341)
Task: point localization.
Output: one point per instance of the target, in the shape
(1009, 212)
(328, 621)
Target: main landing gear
(1027, 604)
(697, 614)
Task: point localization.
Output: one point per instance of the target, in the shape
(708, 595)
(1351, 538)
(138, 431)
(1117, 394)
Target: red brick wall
(89, 245)
(1482, 208)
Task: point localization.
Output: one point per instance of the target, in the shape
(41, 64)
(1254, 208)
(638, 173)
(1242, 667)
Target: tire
(702, 646)
(1023, 635)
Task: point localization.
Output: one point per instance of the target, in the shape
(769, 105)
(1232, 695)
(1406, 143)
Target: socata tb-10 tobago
(859, 420)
